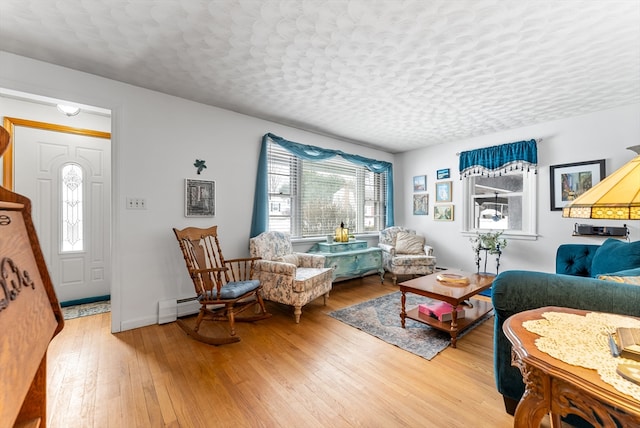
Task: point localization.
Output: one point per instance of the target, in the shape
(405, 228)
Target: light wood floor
(319, 373)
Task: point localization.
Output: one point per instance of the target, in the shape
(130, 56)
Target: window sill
(516, 236)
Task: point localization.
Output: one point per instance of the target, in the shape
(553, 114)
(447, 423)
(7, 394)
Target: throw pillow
(628, 272)
(629, 276)
(635, 280)
(408, 243)
(614, 255)
(288, 258)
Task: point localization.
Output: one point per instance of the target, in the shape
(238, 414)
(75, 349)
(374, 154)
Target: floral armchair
(290, 278)
(405, 253)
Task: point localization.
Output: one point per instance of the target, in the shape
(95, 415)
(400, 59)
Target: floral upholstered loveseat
(405, 253)
(286, 277)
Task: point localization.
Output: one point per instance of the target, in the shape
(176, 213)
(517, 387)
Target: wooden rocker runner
(225, 288)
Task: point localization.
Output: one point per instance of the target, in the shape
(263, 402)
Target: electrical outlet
(136, 204)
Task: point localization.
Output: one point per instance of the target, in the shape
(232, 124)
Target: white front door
(67, 178)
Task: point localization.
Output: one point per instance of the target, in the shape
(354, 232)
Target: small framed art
(419, 183)
(421, 204)
(199, 198)
(441, 174)
(570, 180)
(443, 212)
(443, 191)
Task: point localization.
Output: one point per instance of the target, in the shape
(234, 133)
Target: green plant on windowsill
(490, 243)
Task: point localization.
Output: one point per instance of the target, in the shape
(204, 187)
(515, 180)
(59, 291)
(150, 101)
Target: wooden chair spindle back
(205, 263)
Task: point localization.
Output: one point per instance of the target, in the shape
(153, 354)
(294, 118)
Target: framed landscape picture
(443, 212)
(421, 204)
(419, 183)
(570, 180)
(443, 191)
(199, 198)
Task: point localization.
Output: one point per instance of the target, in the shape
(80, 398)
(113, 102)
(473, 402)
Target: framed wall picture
(441, 174)
(443, 212)
(443, 191)
(421, 204)
(199, 198)
(570, 180)
(419, 183)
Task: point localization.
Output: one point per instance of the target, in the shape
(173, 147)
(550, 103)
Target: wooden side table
(556, 388)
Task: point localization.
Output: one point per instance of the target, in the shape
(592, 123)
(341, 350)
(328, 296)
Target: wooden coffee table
(456, 295)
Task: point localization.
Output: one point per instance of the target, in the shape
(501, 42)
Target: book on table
(628, 342)
(630, 372)
(440, 310)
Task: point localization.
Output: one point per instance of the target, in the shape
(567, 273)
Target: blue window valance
(496, 160)
(260, 219)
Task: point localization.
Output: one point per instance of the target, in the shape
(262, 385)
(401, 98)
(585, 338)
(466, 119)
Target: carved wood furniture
(30, 315)
(455, 295)
(556, 388)
(350, 259)
(225, 288)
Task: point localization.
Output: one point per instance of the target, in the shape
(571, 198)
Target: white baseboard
(138, 322)
(167, 311)
(188, 307)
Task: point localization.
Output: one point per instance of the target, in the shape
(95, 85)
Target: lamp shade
(616, 197)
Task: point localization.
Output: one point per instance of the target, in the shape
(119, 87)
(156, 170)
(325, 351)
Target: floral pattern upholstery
(404, 264)
(287, 283)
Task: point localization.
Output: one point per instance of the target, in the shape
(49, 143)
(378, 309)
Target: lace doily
(583, 341)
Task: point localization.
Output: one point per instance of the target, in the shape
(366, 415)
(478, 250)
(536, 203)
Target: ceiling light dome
(68, 110)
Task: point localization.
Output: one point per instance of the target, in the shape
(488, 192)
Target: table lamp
(616, 197)
(342, 233)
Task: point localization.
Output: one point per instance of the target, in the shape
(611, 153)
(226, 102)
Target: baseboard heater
(171, 309)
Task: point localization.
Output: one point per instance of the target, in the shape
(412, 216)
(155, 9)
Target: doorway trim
(11, 122)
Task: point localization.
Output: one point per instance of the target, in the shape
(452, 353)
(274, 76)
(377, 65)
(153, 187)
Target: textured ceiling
(396, 75)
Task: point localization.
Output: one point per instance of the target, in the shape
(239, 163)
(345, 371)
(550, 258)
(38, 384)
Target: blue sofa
(575, 284)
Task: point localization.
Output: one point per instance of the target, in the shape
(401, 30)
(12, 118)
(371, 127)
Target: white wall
(156, 139)
(602, 135)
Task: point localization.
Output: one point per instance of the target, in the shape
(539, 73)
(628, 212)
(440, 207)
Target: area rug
(380, 317)
(86, 309)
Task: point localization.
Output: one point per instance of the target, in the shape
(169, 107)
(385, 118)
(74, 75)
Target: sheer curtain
(260, 220)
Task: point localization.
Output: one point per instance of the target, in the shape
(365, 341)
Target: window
(312, 198)
(71, 216)
(504, 202)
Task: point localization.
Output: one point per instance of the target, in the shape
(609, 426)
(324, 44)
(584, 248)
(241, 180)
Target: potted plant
(490, 243)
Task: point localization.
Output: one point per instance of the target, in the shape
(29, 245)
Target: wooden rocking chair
(225, 288)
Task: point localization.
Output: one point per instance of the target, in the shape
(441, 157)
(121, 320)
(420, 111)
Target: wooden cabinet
(350, 259)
